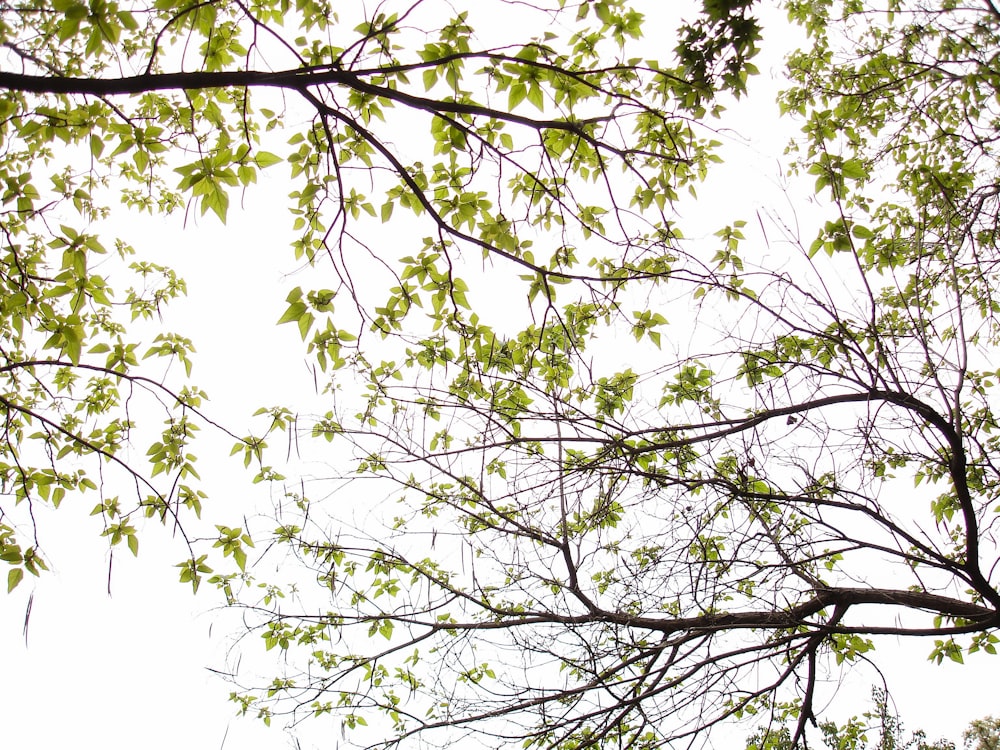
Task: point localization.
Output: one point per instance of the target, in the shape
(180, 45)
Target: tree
(857, 733)
(586, 554)
(104, 100)
(600, 529)
(984, 732)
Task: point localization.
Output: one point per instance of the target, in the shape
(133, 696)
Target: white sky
(129, 669)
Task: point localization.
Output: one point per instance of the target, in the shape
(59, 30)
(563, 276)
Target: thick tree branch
(292, 80)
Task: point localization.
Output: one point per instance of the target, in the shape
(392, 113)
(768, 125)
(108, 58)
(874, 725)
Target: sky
(134, 666)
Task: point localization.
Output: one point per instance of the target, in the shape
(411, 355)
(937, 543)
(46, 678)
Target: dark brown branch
(293, 80)
(776, 619)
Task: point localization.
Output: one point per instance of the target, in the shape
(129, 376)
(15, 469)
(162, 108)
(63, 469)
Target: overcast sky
(130, 669)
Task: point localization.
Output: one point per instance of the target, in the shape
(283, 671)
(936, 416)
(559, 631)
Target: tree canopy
(595, 484)
(879, 727)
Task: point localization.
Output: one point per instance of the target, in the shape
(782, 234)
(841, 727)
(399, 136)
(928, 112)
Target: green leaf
(516, 95)
(535, 96)
(265, 159)
(14, 577)
(854, 169)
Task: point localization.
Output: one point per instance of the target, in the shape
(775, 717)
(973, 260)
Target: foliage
(73, 379)
(985, 733)
(610, 487)
(857, 733)
(97, 104)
